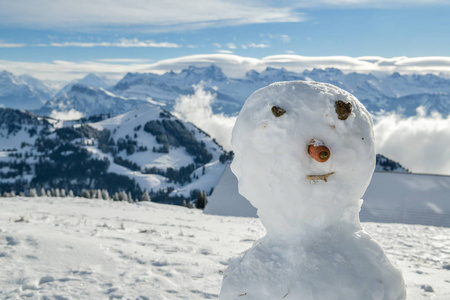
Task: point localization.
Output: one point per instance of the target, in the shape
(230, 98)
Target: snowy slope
(17, 127)
(407, 198)
(63, 248)
(391, 197)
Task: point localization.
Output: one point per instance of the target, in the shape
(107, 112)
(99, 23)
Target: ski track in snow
(64, 248)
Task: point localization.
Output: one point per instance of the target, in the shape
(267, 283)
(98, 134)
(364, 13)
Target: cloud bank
(123, 43)
(66, 115)
(419, 143)
(233, 65)
(196, 109)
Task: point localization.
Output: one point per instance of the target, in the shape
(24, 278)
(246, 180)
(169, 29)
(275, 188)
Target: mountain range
(379, 93)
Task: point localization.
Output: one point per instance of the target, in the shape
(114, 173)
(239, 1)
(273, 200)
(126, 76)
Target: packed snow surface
(315, 247)
(76, 248)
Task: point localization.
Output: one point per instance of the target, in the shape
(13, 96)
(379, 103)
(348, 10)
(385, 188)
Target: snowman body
(315, 247)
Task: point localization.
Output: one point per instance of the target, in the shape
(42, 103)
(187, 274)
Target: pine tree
(116, 197)
(42, 193)
(85, 194)
(71, 194)
(57, 193)
(49, 193)
(145, 196)
(105, 195)
(63, 193)
(130, 198)
(123, 196)
(32, 193)
(201, 200)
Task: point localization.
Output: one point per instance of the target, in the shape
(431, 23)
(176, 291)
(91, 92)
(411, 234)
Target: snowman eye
(278, 111)
(343, 109)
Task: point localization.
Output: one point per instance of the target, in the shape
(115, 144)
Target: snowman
(304, 155)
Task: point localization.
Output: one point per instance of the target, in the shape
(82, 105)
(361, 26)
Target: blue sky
(361, 29)
(65, 39)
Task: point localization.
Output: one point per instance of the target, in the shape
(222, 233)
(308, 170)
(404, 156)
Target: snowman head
(304, 155)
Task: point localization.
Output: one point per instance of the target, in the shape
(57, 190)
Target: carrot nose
(320, 153)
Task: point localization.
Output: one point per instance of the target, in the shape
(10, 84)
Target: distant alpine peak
(9, 77)
(5, 73)
(82, 88)
(92, 80)
(212, 71)
(331, 71)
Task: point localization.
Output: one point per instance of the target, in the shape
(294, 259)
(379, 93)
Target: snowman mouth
(322, 177)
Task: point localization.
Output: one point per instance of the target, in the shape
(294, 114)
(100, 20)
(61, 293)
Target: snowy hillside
(191, 154)
(22, 92)
(67, 248)
(395, 92)
(19, 128)
(84, 101)
(145, 149)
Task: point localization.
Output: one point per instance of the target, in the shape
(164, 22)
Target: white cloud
(152, 15)
(420, 143)
(231, 46)
(196, 109)
(123, 43)
(11, 45)
(217, 45)
(124, 60)
(253, 45)
(66, 115)
(224, 51)
(285, 38)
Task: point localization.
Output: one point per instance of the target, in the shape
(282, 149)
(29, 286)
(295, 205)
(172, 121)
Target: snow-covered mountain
(88, 101)
(90, 80)
(395, 92)
(144, 149)
(22, 92)
(38, 85)
(384, 164)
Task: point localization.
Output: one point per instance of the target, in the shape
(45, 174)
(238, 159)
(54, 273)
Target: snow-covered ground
(75, 248)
